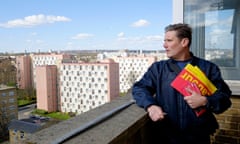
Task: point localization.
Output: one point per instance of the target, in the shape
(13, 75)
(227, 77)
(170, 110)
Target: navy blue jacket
(154, 89)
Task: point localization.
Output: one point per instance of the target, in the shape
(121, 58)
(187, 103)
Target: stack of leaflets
(192, 77)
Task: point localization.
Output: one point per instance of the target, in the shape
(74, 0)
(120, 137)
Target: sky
(58, 25)
(219, 29)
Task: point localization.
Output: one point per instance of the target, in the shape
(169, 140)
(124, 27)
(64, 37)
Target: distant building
(105, 55)
(7, 70)
(131, 68)
(161, 55)
(8, 107)
(47, 59)
(67, 85)
(46, 87)
(26, 66)
(24, 69)
(19, 131)
(84, 86)
(132, 65)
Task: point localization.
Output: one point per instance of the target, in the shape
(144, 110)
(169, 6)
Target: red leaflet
(192, 77)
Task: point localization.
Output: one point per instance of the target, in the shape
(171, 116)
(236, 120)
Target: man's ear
(185, 42)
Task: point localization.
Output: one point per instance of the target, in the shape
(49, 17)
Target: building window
(216, 33)
(11, 93)
(12, 107)
(11, 100)
(4, 94)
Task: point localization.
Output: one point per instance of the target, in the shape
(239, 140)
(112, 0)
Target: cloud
(149, 38)
(34, 20)
(140, 42)
(37, 41)
(33, 34)
(121, 34)
(153, 41)
(154, 38)
(140, 23)
(82, 36)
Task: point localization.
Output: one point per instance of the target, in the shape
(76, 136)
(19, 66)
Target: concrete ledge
(234, 86)
(130, 125)
(104, 132)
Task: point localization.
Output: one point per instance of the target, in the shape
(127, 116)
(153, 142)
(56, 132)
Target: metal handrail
(92, 123)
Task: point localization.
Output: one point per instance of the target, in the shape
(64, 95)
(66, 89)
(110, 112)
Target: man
(167, 107)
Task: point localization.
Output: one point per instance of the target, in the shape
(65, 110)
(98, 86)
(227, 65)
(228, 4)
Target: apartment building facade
(84, 86)
(24, 76)
(8, 106)
(46, 87)
(47, 59)
(70, 86)
(132, 68)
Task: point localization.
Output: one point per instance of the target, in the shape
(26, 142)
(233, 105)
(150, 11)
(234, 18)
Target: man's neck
(184, 57)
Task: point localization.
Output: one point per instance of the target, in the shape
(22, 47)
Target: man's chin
(169, 56)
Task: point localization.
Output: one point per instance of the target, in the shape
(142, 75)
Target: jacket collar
(174, 67)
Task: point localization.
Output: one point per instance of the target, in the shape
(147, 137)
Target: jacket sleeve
(220, 100)
(143, 90)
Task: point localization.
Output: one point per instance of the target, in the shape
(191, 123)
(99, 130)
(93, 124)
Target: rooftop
(24, 126)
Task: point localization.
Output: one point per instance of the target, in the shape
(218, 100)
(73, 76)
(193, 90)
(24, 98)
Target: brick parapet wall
(229, 124)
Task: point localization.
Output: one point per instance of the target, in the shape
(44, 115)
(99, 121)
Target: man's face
(175, 48)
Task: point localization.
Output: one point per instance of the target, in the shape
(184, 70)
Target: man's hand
(195, 100)
(155, 113)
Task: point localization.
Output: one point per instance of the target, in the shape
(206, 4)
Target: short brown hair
(183, 31)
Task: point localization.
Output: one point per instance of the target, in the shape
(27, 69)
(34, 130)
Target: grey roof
(24, 126)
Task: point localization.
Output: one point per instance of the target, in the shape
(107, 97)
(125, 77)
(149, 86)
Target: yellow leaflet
(197, 72)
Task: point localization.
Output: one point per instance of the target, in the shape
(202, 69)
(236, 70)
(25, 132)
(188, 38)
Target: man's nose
(164, 45)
